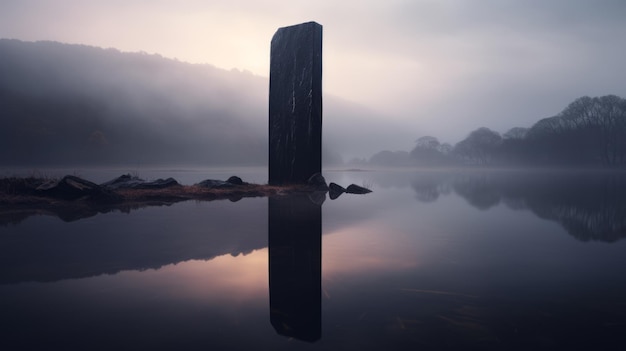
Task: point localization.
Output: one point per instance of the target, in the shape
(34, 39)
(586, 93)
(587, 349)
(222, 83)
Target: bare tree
(429, 151)
(588, 131)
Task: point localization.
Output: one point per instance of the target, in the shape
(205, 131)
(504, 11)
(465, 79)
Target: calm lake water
(429, 261)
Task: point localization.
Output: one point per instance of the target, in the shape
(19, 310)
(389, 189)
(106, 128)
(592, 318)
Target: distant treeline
(590, 132)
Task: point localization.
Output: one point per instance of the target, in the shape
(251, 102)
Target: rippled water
(429, 260)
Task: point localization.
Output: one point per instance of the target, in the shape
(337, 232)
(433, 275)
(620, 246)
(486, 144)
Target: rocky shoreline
(126, 188)
(73, 197)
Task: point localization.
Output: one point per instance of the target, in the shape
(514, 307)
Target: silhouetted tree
(515, 133)
(513, 148)
(590, 131)
(429, 152)
(481, 147)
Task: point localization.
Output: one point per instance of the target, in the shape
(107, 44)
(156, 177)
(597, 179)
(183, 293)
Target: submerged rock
(355, 189)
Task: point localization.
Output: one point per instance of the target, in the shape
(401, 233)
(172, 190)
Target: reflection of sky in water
(449, 243)
(365, 250)
(395, 271)
(225, 279)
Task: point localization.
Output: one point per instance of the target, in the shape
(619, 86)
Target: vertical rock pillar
(295, 104)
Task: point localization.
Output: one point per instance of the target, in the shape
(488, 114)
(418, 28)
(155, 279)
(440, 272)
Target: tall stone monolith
(295, 104)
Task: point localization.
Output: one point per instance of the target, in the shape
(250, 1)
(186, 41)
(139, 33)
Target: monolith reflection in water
(295, 104)
(295, 266)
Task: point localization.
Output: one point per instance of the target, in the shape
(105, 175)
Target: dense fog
(68, 105)
(73, 104)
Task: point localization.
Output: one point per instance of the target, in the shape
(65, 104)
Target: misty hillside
(590, 132)
(66, 104)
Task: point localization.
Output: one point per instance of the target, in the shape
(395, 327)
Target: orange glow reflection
(366, 249)
(223, 279)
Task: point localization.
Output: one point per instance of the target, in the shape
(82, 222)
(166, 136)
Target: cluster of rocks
(73, 188)
(128, 181)
(318, 182)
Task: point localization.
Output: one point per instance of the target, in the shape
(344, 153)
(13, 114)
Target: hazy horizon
(440, 68)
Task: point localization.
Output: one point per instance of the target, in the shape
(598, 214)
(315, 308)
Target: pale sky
(438, 67)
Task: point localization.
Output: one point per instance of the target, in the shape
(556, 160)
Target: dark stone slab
(295, 104)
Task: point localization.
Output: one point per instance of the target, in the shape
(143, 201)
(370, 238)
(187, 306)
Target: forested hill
(63, 104)
(589, 132)
(73, 104)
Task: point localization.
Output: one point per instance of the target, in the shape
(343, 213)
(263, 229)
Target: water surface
(429, 260)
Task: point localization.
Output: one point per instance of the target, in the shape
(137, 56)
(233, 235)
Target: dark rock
(295, 104)
(215, 184)
(235, 180)
(336, 187)
(335, 190)
(73, 188)
(355, 189)
(125, 181)
(158, 184)
(317, 182)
